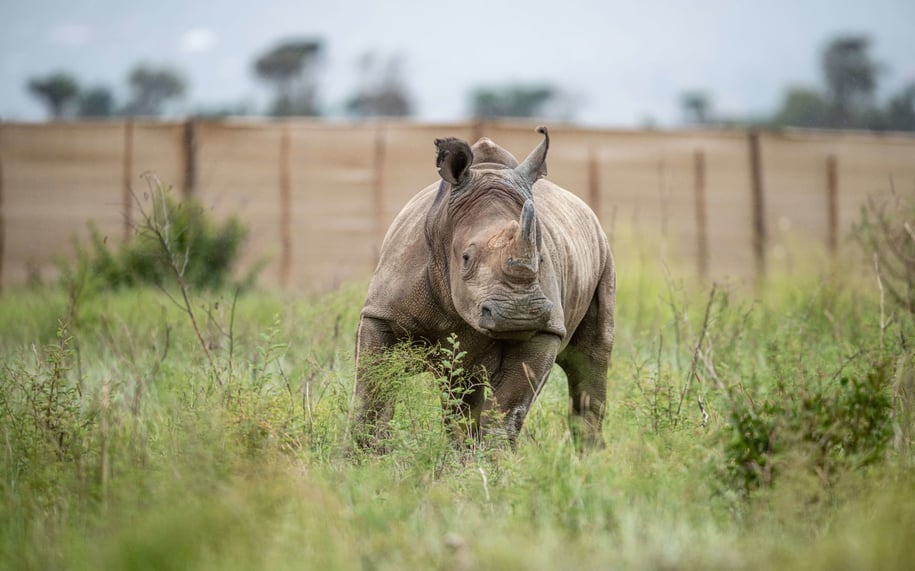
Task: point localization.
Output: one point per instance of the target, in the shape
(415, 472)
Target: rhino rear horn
(453, 159)
(534, 166)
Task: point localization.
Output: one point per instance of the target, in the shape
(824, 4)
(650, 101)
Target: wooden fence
(317, 197)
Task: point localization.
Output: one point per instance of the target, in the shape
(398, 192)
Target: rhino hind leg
(586, 360)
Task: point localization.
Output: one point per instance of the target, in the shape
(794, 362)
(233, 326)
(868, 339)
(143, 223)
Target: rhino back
(576, 245)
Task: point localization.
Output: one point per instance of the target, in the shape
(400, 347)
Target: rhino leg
(458, 416)
(374, 405)
(523, 372)
(586, 360)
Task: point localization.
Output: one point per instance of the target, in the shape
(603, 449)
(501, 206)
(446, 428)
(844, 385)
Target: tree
(222, 111)
(851, 80)
(900, 111)
(803, 107)
(513, 101)
(850, 77)
(96, 102)
(382, 92)
(696, 107)
(152, 87)
(291, 68)
(58, 91)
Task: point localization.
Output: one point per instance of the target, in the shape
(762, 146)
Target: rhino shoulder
(399, 291)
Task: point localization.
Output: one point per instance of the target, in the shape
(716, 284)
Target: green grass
(120, 448)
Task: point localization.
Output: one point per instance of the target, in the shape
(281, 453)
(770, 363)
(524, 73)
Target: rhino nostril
(547, 306)
(486, 318)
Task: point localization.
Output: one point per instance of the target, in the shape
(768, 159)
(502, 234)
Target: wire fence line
(317, 196)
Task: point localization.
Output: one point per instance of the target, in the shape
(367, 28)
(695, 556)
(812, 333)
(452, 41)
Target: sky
(625, 64)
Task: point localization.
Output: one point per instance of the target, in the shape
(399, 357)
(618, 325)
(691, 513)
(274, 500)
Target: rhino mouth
(515, 321)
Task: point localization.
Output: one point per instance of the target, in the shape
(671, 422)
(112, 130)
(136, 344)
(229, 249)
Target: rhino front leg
(523, 372)
(373, 403)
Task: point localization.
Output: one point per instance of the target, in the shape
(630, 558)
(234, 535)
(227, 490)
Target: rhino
(517, 268)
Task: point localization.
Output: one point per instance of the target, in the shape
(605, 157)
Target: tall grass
(743, 431)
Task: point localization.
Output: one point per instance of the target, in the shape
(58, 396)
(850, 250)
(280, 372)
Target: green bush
(43, 422)
(833, 426)
(205, 251)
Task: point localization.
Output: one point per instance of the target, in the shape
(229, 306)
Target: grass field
(743, 431)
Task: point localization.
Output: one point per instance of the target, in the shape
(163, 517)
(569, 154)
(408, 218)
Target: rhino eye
(468, 257)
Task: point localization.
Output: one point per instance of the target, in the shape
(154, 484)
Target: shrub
(207, 251)
(834, 425)
(43, 424)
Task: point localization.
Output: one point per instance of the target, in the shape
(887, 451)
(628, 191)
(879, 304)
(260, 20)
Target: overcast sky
(625, 62)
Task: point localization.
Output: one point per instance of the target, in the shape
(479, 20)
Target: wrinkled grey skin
(518, 268)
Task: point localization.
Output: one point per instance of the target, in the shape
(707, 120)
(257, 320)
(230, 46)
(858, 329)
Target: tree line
(847, 98)
(150, 88)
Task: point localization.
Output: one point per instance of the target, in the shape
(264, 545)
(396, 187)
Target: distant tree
(697, 107)
(152, 87)
(58, 91)
(382, 91)
(803, 107)
(900, 111)
(514, 100)
(851, 80)
(240, 109)
(96, 102)
(291, 68)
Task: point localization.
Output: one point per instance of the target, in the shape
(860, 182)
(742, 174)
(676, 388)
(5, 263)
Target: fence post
(190, 158)
(127, 179)
(701, 220)
(759, 212)
(285, 209)
(594, 198)
(832, 202)
(378, 189)
(664, 202)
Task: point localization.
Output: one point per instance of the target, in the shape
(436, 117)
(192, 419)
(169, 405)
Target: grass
(122, 447)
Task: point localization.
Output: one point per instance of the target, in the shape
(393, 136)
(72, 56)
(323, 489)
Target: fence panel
(317, 197)
(57, 177)
(238, 174)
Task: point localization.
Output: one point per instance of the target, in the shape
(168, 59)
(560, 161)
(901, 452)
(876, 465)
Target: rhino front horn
(528, 223)
(520, 258)
(534, 166)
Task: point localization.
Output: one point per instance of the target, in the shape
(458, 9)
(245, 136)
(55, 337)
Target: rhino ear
(534, 166)
(453, 159)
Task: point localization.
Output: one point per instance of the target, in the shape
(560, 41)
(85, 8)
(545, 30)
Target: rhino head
(492, 238)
